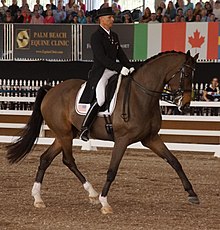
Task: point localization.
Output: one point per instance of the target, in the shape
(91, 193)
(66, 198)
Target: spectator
(117, 12)
(44, 14)
(52, 6)
(198, 8)
(166, 19)
(127, 18)
(204, 17)
(13, 8)
(38, 6)
(163, 6)
(171, 11)
(49, 19)
(59, 14)
(105, 4)
(209, 8)
(159, 14)
(3, 8)
(157, 4)
(27, 15)
(188, 6)
(180, 12)
(69, 7)
(69, 19)
(182, 19)
(197, 18)
(8, 17)
(180, 4)
(212, 91)
(75, 19)
(37, 18)
(116, 2)
(81, 18)
(75, 9)
(177, 18)
(212, 18)
(153, 18)
(216, 10)
(19, 18)
(82, 5)
(189, 16)
(146, 16)
(88, 19)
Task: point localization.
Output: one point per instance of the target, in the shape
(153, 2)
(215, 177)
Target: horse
(141, 121)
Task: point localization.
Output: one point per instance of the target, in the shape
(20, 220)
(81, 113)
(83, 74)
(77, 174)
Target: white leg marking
(93, 195)
(106, 208)
(38, 202)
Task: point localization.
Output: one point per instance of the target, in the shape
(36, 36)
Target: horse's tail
(22, 146)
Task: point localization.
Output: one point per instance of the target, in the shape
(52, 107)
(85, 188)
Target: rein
(177, 94)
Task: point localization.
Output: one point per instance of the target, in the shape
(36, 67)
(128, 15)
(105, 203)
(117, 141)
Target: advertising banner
(127, 42)
(1, 40)
(47, 42)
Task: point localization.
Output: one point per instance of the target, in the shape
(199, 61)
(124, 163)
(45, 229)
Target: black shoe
(84, 134)
(88, 121)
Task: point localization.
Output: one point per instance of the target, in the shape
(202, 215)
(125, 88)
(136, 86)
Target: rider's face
(106, 21)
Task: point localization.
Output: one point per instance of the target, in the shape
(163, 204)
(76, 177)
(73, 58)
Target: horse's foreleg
(157, 145)
(45, 161)
(69, 161)
(117, 154)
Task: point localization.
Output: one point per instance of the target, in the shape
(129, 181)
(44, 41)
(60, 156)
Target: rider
(106, 49)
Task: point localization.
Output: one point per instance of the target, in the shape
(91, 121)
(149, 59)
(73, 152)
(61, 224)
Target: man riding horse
(106, 49)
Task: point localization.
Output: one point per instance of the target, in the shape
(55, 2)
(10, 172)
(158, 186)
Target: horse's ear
(188, 53)
(196, 56)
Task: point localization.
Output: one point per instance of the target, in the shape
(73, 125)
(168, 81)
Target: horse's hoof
(39, 205)
(193, 199)
(94, 200)
(106, 210)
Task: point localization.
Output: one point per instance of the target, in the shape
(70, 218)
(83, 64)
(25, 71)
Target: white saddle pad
(82, 109)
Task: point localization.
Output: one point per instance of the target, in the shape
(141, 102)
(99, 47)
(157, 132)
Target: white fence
(93, 144)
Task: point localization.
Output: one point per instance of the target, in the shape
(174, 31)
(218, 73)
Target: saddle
(111, 95)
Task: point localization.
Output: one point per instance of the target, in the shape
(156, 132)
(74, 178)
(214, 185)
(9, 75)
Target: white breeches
(100, 88)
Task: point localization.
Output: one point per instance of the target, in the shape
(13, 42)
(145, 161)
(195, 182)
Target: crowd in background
(75, 12)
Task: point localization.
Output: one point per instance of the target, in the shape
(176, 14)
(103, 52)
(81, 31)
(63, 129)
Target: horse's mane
(160, 54)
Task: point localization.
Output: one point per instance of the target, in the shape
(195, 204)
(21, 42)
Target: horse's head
(181, 82)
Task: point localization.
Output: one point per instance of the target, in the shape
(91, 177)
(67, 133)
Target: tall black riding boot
(88, 121)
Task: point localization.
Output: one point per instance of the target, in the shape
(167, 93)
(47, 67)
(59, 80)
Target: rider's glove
(131, 70)
(125, 71)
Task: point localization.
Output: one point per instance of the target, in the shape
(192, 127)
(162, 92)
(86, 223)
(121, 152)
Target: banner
(1, 40)
(202, 38)
(122, 30)
(44, 42)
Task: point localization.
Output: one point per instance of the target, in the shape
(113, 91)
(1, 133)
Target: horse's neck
(154, 74)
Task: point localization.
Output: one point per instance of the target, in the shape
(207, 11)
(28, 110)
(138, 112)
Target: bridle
(177, 95)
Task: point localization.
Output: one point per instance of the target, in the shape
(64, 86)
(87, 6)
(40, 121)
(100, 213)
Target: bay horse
(56, 106)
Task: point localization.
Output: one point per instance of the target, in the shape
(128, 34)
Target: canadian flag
(198, 37)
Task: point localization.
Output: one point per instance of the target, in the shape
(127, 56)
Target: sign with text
(1, 40)
(45, 42)
(127, 42)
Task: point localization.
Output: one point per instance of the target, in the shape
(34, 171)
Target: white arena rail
(93, 144)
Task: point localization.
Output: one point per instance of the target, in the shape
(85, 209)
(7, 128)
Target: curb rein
(177, 94)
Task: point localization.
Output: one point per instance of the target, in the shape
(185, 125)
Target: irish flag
(198, 37)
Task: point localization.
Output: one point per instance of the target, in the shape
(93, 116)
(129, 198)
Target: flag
(198, 37)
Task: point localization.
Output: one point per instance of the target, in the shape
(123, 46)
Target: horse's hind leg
(45, 161)
(69, 161)
(157, 145)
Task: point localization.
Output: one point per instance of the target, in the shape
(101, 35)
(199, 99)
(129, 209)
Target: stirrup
(84, 134)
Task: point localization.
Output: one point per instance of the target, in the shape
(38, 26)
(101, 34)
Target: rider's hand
(131, 70)
(125, 71)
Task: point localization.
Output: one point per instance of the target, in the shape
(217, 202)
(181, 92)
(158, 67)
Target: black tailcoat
(106, 50)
